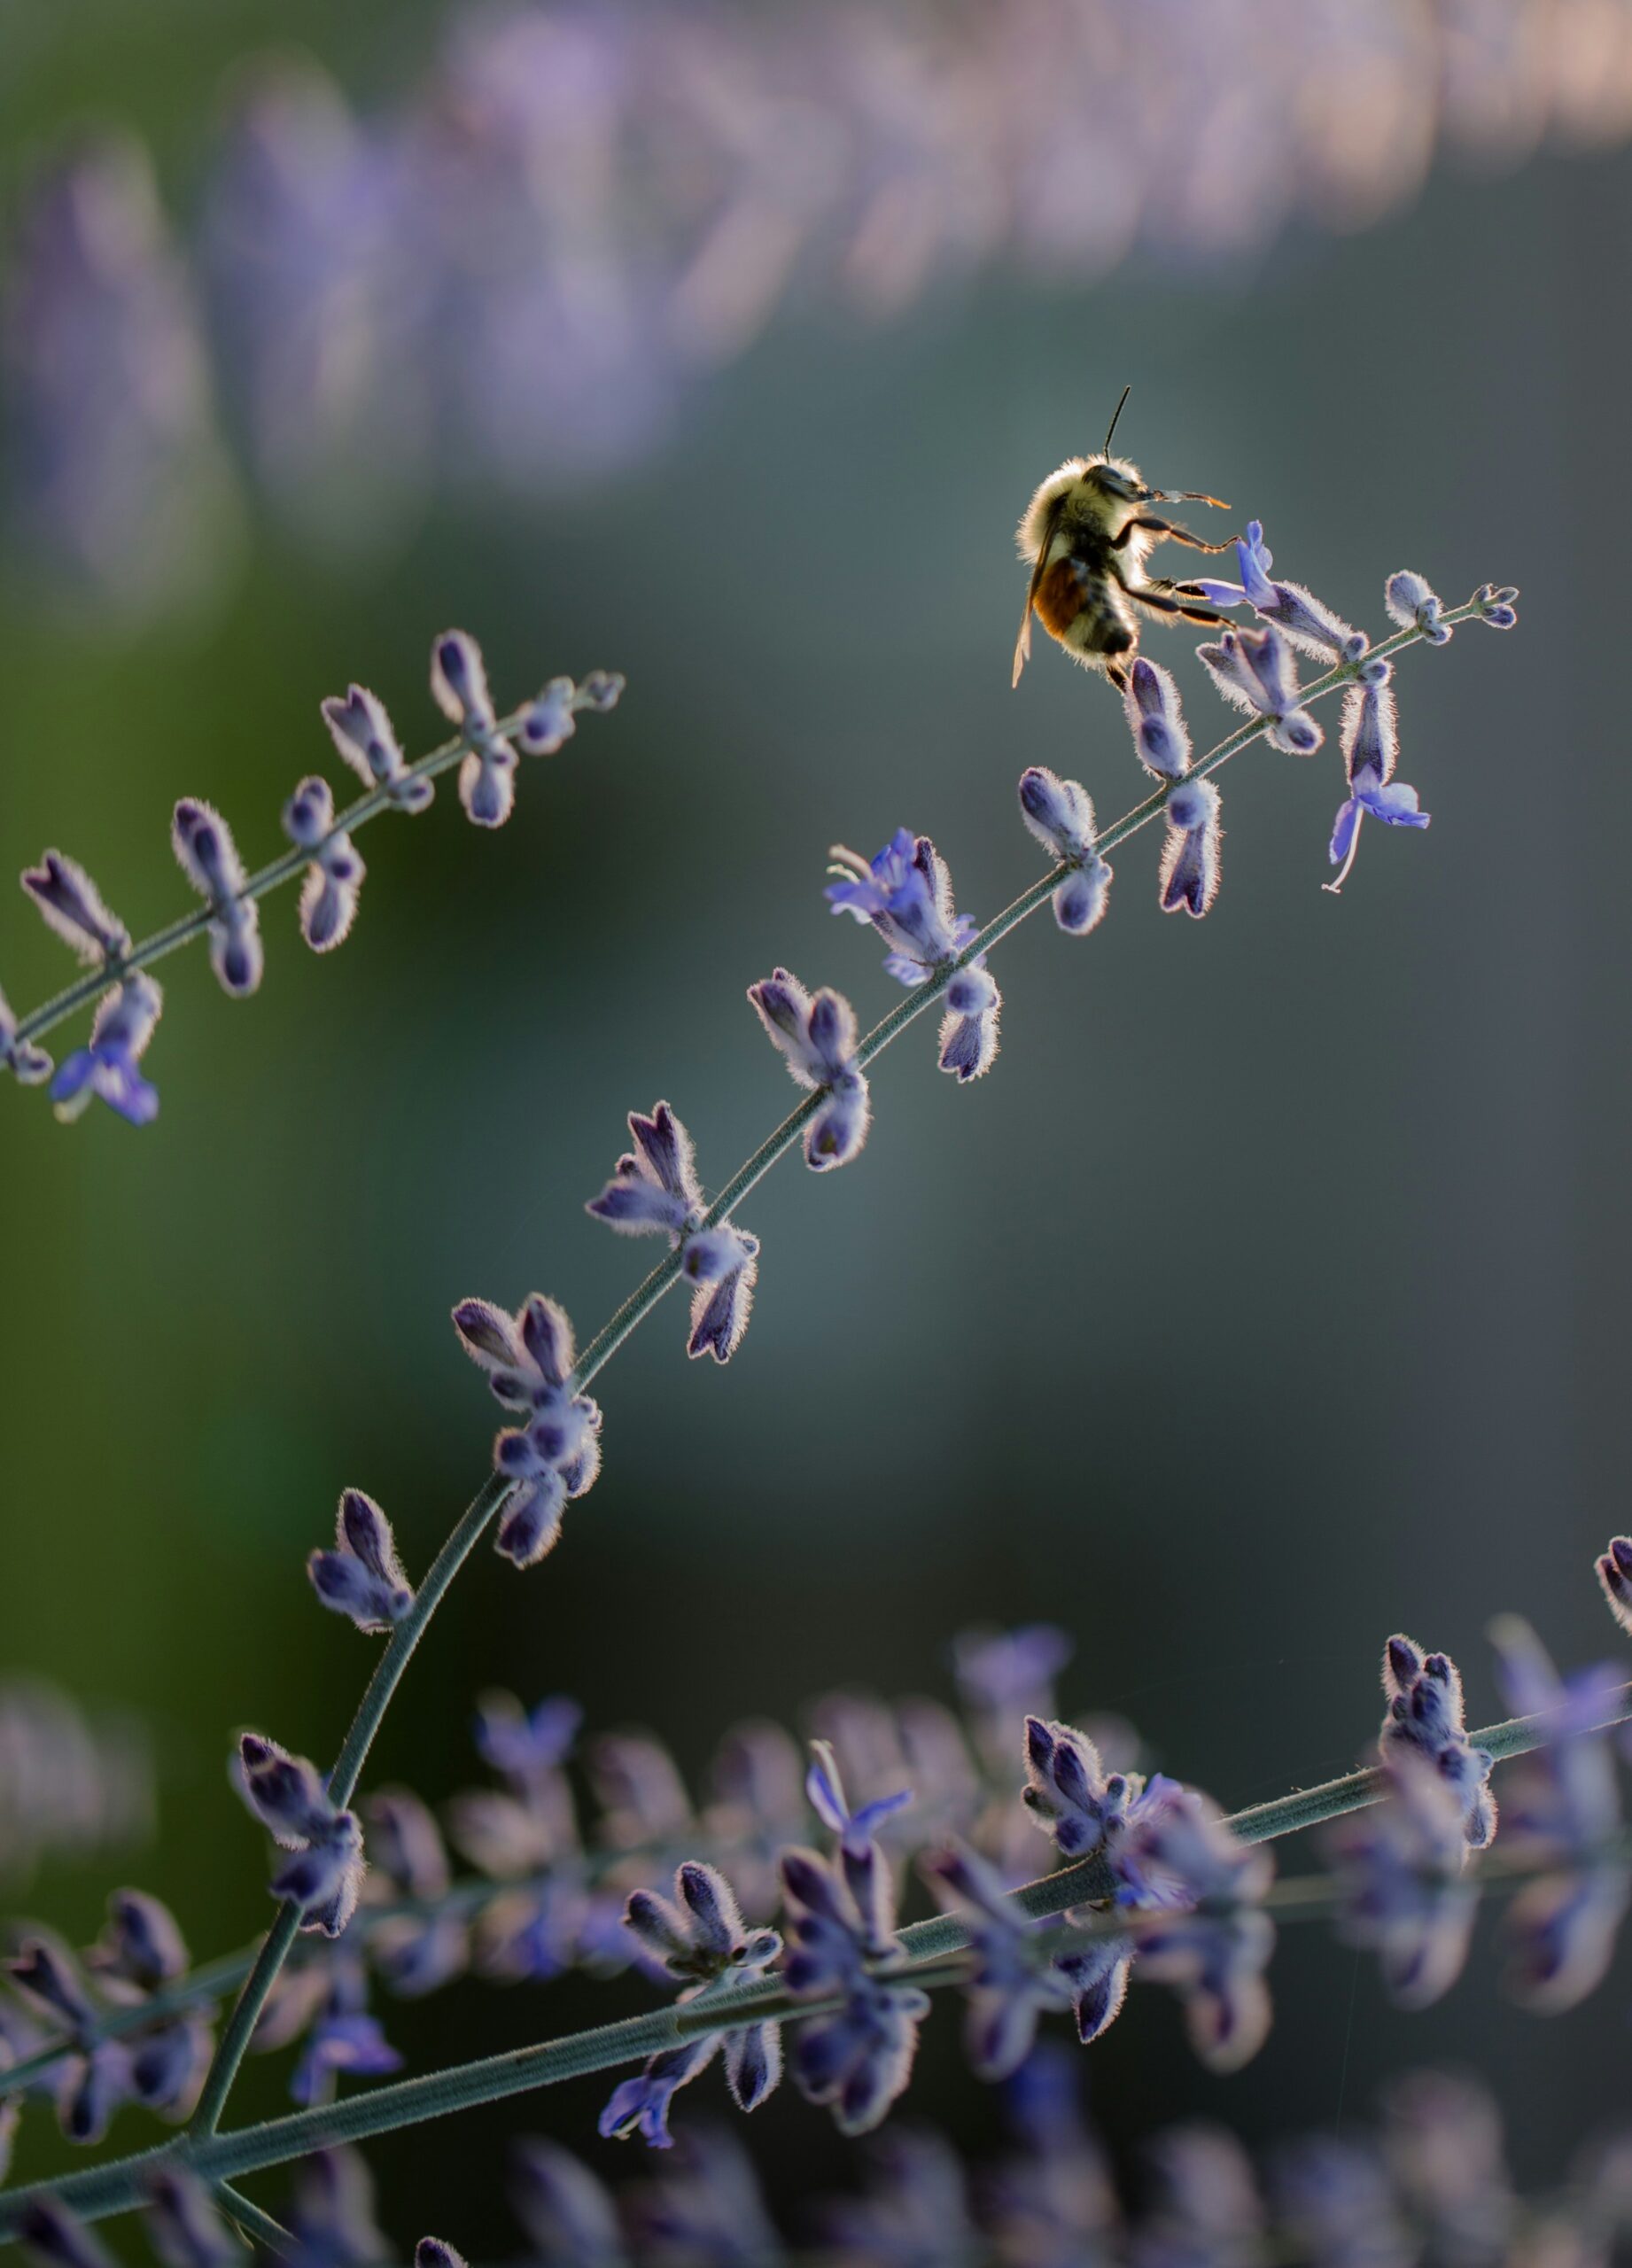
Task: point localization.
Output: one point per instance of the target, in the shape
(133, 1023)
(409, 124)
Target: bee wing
(1023, 644)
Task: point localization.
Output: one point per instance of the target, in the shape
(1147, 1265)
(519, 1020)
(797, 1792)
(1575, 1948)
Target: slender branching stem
(116, 2186)
(258, 2226)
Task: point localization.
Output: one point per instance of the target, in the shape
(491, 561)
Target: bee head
(1116, 477)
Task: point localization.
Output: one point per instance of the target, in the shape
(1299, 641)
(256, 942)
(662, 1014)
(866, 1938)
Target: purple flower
(527, 1746)
(1614, 1568)
(906, 893)
(641, 1793)
(94, 2081)
(824, 1790)
(363, 1576)
(1211, 1942)
(566, 2212)
(140, 1943)
(1561, 1810)
(1495, 606)
(1059, 813)
(125, 1023)
(290, 1799)
(434, 2252)
(858, 2059)
(414, 1953)
(550, 718)
(1399, 1867)
(72, 905)
(1370, 749)
(52, 2233)
(183, 2225)
(1156, 720)
(1415, 607)
(1338, 2206)
(1010, 1673)
(1254, 669)
(1070, 1795)
(1189, 871)
(28, 1064)
(654, 1192)
(1425, 1717)
(641, 2105)
(459, 684)
(332, 2211)
(141, 1950)
(817, 1037)
(529, 1358)
(329, 895)
(343, 2036)
(208, 856)
(969, 1037)
(1309, 624)
(1012, 1983)
(362, 731)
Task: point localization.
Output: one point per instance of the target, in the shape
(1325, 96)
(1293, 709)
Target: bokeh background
(1267, 1298)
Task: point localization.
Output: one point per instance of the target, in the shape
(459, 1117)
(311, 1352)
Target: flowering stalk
(937, 1948)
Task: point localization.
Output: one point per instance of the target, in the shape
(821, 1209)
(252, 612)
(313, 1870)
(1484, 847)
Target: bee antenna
(1111, 428)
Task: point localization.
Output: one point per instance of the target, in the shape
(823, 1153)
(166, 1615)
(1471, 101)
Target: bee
(1086, 535)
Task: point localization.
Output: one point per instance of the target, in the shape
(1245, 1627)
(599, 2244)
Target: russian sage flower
(1188, 875)
(565, 2210)
(549, 721)
(362, 731)
(289, 1797)
(96, 2079)
(1156, 719)
(52, 2233)
(654, 1192)
(72, 904)
(106, 1069)
(817, 1036)
(27, 1064)
(1614, 1568)
(1306, 620)
(529, 1358)
(363, 1576)
(1254, 669)
(858, 2060)
(1370, 749)
(1211, 1942)
(459, 684)
(1561, 1811)
(1495, 606)
(1399, 1867)
(435, 2252)
(329, 895)
(417, 1951)
(1012, 1982)
(1424, 1692)
(331, 2213)
(344, 2036)
(906, 893)
(698, 1936)
(1415, 607)
(184, 2225)
(1059, 813)
(208, 856)
(141, 1951)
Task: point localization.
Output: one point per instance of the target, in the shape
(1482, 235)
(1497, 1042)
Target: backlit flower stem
(932, 1946)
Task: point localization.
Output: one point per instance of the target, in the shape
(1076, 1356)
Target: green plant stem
(933, 1947)
(285, 868)
(405, 1637)
(258, 2226)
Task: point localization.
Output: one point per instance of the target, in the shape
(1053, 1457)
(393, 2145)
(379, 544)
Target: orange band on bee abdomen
(1059, 597)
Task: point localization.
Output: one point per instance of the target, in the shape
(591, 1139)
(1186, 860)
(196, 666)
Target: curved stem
(259, 2227)
(932, 1946)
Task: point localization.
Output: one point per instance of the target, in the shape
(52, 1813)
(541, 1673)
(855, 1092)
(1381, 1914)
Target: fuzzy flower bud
(1156, 719)
(1059, 813)
(654, 1192)
(1615, 1575)
(329, 895)
(362, 731)
(107, 1069)
(363, 1576)
(1254, 669)
(1370, 749)
(1495, 606)
(1188, 875)
(289, 1797)
(529, 1359)
(817, 1037)
(459, 684)
(71, 904)
(969, 1028)
(208, 856)
(1414, 606)
(1425, 1717)
(28, 1064)
(1306, 620)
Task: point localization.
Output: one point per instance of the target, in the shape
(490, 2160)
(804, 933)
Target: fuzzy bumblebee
(1086, 535)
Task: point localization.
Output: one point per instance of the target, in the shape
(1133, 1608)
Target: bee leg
(1117, 675)
(1172, 532)
(1192, 611)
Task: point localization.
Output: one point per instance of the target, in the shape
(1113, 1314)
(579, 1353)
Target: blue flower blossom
(1370, 749)
(1209, 1940)
(28, 1064)
(1425, 1717)
(140, 1952)
(107, 1069)
(1414, 606)
(1188, 873)
(361, 732)
(1560, 1812)
(527, 1745)
(858, 2060)
(459, 685)
(1059, 813)
(208, 856)
(288, 1795)
(824, 1789)
(95, 2080)
(654, 1192)
(641, 2105)
(414, 1952)
(71, 904)
(906, 893)
(331, 2214)
(529, 1358)
(1309, 623)
(699, 1935)
(184, 2225)
(565, 2210)
(343, 2036)
(1254, 669)
(1012, 1983)
(52, 2233)
(329, 894)
(816, 1034)
(363, 1576)
(1400, 1872)
(1156, 719)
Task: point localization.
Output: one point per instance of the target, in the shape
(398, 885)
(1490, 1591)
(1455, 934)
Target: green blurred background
(1267, 1298)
